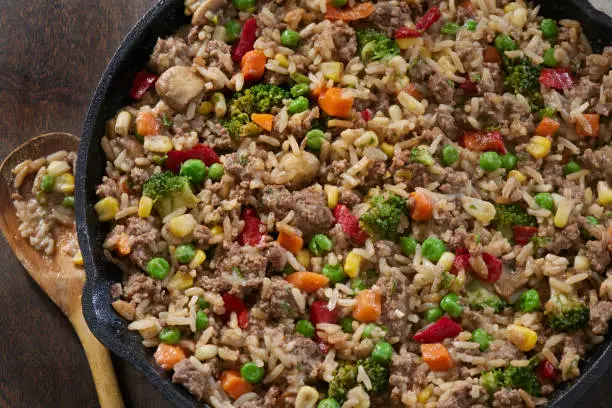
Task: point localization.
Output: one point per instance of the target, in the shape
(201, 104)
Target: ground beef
(349, 198)
(502, 109)
(394, 290)
(597, 66)
(194, 379)
(598, 255)
(309, 357)
(454, 181)
(601, 313)
(345, 41)
(108, 188)
(219, 56)
(278, 302)
(441, 89)
(413, 174)
(138, 176)
(404, 375)
(605, 107)
(493, 84)
(564, 239)
(573, 350)
(420, 71)
(446, 121)
(140, 287)
(584, 89)
(460, 397)
(245, 260)
(598, 162)
(507, 398)
(340, 239)
(168, 53)
(276, 256)
(201, 235)
(298, 125)
(504, 350)
(144, 236)
(509, 282)
(375, 175)
(270, 400)
(388, 16)
(274, 78)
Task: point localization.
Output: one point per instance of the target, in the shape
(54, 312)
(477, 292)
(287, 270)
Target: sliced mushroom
(178, 86)
(199, 17)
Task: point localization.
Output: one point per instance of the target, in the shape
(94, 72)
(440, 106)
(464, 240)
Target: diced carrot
(412, 91)
(593, 119)
(468, 6)
(234, 385)
(547, 127)
(421, 206)
(436, 356)
(490, 54)
(291, 243)
(263, 120)
(146, 124)
(368, 306)
(317, 91)
(308, 282)
(360, 11)
(253, 65)
(336, 102)
(168, 356)
(123, 245)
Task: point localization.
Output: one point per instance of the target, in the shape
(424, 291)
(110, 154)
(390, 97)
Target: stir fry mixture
(354, 204)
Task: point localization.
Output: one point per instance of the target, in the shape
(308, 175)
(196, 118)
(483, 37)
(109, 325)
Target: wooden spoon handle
(100, 363)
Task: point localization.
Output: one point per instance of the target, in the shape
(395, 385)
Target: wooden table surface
(51, 56)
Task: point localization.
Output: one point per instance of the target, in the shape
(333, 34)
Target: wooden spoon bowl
(57, 274)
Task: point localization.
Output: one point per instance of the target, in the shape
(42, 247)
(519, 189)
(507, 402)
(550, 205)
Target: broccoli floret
(346, 378)
(521, 76)
(421, 155)
(383, 216)
(375, 46)
(378, 374)
(507, 215)
(547, 112)
(240, 126)
(260, 98)
(511, 377)
(492, 380)
(566, 313)
(164, 185)
(478, 297)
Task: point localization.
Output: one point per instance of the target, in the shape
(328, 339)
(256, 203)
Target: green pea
(314, 139)
(434, 314)
(300, 90)
(329, 402)
(305, 328)
(549, 57)
(548, 28)
(450, 304)
(195, 170)
(470, 25)
(334, 273)
(215, 171)
(244, 5)
(319, 244)
(184, 253)
(201, 320)
(339, 3)
(68, 201)
(503, 43)
(202, 304)
(571, 167)
(232, 30)
(481, 337)
(158, 268)
(169, 335)
(357, 284)
(547, 112)
(529, 301)
(252, 372)
(545, 200)
(508, 161)
(382, 353)
(433, 248)
(408, 245)
(450, 155)
(367, 331)
(160, 160)
(299, 78)
(46, 184)
(299, 104)
(347, 324)
(290, 38)
(449, 28)
(592, 220)
(490, 161)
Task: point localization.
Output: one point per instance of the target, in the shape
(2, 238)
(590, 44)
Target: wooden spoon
(57, 274)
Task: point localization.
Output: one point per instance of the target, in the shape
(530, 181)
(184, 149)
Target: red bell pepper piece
(349, 223)
(483, 141)
(323, 346)
(251, 233)
(438, 331)
(423, 23)
(468, 86)
(247, 39)
(143, 81)
(545, 371)
(234, 304)
(461, 262)
(201, 151)
(320, 313)
(522, 235)
(558, 78)
(366, 114)
(494, 267)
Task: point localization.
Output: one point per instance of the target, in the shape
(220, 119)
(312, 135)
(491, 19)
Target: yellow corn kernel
(523, 338)
(64, 184)
(145, 205)
(332, 70)
(282, 59)
(447, 65)
(205, 108)
(581, 263)
(216, 230)
(123, 123)
(405, 43)
(57, 168)
(425, 394)
(564, 210)
(352, 264)
(158, 143)
(306, 397)
(604, 193)
(538, 147)
(517, 175)
(331, 192)
(446, 261)
(180, 281)
(107, 208)
(182, 225)
(303, 257)
(388, 149)
(198, 259)
(77, 259)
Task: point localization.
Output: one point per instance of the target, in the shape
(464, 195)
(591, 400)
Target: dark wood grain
(51, 56)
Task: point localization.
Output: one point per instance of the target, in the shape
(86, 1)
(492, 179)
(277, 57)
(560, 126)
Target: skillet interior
(163, 20)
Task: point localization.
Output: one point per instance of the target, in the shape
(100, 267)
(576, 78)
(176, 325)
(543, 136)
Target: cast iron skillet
(163, 20)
